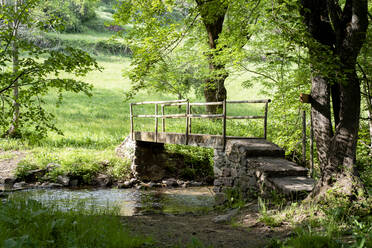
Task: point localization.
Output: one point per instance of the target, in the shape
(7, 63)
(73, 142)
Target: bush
(198, 161)
(72, 13)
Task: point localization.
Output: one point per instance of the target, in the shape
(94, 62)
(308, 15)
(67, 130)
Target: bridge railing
(189, 116)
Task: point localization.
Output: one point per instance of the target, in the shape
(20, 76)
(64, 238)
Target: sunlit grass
(93, 126)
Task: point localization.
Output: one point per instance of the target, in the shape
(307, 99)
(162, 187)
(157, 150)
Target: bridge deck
(204, 140)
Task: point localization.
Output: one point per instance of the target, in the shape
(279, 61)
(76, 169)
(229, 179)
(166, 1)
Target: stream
(127, 202)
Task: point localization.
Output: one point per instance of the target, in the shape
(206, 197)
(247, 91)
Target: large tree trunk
(214, 89)
(341, 33)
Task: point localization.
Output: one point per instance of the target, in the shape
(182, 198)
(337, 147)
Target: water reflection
(127, 201)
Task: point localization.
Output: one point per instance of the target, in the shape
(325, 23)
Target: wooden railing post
(163, 119)
(311, 145)
(224, 123)
(304, 137)
(156, 123)
(190, 121)
(131, 121)
(265, 120)
(187, 121)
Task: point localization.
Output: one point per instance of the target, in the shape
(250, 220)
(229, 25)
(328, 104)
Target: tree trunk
(342, 33)
(214, 89)
(337, 151)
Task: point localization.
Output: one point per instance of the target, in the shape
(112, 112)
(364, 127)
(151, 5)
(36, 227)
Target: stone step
(292, 185)
(237, 149)
(275, 167)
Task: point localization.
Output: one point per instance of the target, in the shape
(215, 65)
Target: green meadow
(93, 126)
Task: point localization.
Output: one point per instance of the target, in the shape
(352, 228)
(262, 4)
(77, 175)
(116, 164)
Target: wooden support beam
(159, 102)
(265, 120)
(131, 121)
(224, 124)
(187, 122)
(156, 123)
(251, 101)
(163, 119)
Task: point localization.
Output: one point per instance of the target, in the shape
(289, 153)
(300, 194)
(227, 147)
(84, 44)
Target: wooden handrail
(189, 116)
(160, 102)
(251, 101)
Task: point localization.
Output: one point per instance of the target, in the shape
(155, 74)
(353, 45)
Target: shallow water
(127, 201)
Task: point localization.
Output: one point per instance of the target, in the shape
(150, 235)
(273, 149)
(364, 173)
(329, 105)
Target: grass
(94, 126)
(318, 225)
(6, 156)
(27, 223)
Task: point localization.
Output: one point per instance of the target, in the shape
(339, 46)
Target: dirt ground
(8, 162)
(244, 231)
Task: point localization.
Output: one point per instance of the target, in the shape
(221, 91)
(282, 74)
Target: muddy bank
(244, 231)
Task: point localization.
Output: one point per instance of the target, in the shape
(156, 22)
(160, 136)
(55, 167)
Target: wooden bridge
(189, 138)
(246, 163)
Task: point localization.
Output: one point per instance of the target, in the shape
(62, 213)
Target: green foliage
(169, 42)
(265, 217)
(198, 161)
(101, 45)
(35, 71)
(73, 13)
(280, 65)
(83, 164)
(305, 239)
(158, 62)
(27, 223)
(234, 198)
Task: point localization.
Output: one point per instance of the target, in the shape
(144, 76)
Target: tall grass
(27, 223)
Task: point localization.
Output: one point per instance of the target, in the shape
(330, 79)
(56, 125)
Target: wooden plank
(156, 123)
(304, 138)
(175, 104)
(190, 120)
(251, 101)
(205, 103)
(187, 122)
(198, 116)
(205, 116)
(161, 116)
(245, 117)
(163, 119)
(131, 121)
(160, 102)
(265, 120)
(214, 141)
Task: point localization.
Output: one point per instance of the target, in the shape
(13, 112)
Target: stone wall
(250, 166)
(233, 171)
(239, 167)
(150, 161)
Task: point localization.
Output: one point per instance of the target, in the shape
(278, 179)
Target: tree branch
(176, 42)
(259, 73)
